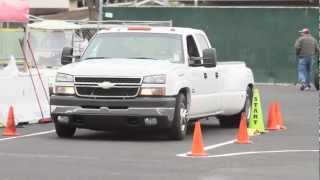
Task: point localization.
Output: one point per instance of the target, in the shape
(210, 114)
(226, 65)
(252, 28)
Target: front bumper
(108, 114)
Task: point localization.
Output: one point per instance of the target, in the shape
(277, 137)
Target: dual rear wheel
(233, 121)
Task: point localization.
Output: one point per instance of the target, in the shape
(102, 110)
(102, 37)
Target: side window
(203, 43)
(192, 47)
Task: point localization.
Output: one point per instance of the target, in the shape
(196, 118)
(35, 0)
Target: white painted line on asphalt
(209, 147)
(28, 135)
(219, 145)
(254, 152)
(46, 156)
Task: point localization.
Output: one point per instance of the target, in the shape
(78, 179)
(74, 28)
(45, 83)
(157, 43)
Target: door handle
(205, 75)
(217, 75)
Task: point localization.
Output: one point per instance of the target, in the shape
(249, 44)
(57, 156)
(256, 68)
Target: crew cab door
(198, 78)
(213, 80)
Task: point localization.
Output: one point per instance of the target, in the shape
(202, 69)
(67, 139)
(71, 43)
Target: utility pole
(100, 18)
(95, 9)
(90, 4)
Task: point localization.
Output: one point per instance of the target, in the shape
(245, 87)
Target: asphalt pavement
(290, 154)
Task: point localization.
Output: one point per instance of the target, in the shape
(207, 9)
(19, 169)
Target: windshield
(151, 46)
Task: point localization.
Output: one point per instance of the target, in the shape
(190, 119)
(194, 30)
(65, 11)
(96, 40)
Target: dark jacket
(306, 45)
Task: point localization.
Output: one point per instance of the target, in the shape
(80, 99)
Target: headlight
(64, 90)
(60, 77)
(155, 79)
(152, 91)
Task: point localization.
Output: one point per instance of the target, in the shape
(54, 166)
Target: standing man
(306, 49)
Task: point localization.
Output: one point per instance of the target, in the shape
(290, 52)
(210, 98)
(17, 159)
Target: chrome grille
(112, 80)
(123, 87)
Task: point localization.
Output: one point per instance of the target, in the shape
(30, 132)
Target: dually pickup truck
(142, 77)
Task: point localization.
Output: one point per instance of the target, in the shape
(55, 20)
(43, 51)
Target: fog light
(150, 121)
(63, 119)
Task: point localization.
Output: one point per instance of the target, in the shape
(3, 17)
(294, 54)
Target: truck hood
(119, 67)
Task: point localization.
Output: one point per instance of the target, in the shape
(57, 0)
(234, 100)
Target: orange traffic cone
(197, 144)
(10, 129)
(279, 116)
(272, 118)
(242, 135)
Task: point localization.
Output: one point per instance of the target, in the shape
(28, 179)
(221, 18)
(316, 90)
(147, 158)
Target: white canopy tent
(28, 91)
(47, 39)
(54, 25)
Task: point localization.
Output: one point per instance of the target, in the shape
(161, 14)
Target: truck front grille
(122, 87)
(112, 92)
(103, 79)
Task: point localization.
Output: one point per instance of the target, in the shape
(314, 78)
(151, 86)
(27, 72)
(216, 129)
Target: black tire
(179, 125)
(64, 131)
(233, 121)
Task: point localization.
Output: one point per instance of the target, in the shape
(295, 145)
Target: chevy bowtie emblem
(106, 85)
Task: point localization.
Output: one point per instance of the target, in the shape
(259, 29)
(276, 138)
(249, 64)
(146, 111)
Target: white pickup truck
(141, 77)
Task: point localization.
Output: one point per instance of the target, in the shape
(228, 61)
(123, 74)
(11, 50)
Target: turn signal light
(152, 91)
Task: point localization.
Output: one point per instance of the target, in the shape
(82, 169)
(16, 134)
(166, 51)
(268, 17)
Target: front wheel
(64, 131)
(179, 125)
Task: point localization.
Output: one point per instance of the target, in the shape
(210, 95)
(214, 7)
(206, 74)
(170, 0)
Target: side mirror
(66, 57)
(209, 57)
(195, 61)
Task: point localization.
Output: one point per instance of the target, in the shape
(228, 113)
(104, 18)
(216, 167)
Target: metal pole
(36, 65)
(30, 74)
(195, 2)
(100, 10)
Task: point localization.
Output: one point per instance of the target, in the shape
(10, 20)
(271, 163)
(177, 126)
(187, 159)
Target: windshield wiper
(142, 58)
(97, 58)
